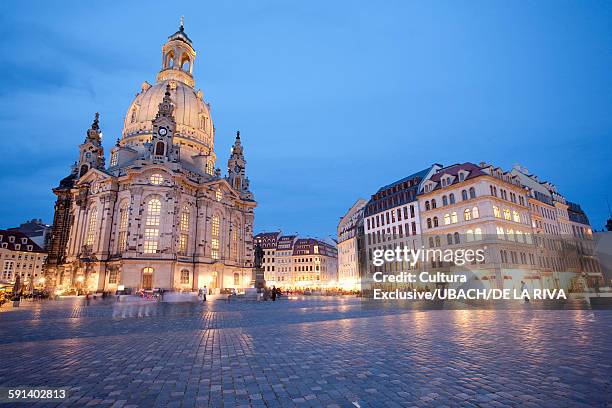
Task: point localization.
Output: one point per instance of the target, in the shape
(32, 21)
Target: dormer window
(24, 240)
(17, 247)
(11, 239)
(30, 247)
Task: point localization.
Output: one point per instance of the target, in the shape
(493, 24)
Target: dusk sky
(333, 99)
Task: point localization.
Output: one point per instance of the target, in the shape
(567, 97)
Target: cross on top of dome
(180, 34)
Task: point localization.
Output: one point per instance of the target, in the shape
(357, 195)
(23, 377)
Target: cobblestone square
(309, 352)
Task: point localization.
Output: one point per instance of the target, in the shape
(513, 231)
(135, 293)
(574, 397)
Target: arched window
(133, 115)
(170, 59)
(477, 234)
(496, 212)
(427, 205)
(152, 223)
(435, 221)
(444, 200)
(91, 226)
(451, 198)
(467, 214)
(447, 219)
(449, 239)
(236, 279)
(510, 234)
(437, 240)
(500, 233)
(184, 277)
(214, 233)
(184, 230)
(457, 240)
(160, 148)
(123, 226)
(469, 234)
(156, 179)
(185, 63)
(429, 223)
(515, 216)
(507, 214)
(454, 217)
(475, 213)
(433, 203)
(464, 195)
(472, 192)
(235, 239)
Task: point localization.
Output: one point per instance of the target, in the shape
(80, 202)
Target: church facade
(160, 215)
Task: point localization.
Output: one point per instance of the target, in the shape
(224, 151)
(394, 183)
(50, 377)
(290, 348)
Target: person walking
(523, 289)
(87, 300)
(204, 292)
(273, 293)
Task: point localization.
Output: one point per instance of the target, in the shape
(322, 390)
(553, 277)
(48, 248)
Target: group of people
(272, 293)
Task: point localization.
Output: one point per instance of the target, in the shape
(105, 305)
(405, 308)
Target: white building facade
(160, 215)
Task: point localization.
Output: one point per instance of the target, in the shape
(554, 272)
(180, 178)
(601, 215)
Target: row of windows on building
(25, 257)
(391, 217)
(377, 237)
(450, 199)
(301, 268)
(503, 194)
(152, 230)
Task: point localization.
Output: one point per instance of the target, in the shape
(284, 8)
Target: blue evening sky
(333, 98)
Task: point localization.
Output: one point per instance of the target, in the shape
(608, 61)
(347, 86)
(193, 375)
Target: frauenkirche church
(160, 215)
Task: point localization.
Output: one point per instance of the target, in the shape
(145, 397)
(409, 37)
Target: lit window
(454, 217)
(515, 216)
(152, 221)
(506, 214)
(467, 214)
(123, 224)
(500, 233)
(91, 229)
(447, 219)
(477, 234)
(184, 276)
(235, 239)
(112, 276)
(114, 159)
(496, 212)
(475, 212)
(218, 195)
(210, 168)
(510, 234)
(156, 179)
(215, 237)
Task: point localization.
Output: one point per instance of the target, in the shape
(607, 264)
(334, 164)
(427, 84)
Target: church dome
(194, 127)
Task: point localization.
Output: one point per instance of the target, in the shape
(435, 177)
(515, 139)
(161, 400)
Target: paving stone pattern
(310, 352)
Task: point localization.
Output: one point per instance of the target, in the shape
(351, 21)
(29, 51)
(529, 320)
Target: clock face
(162, 131)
